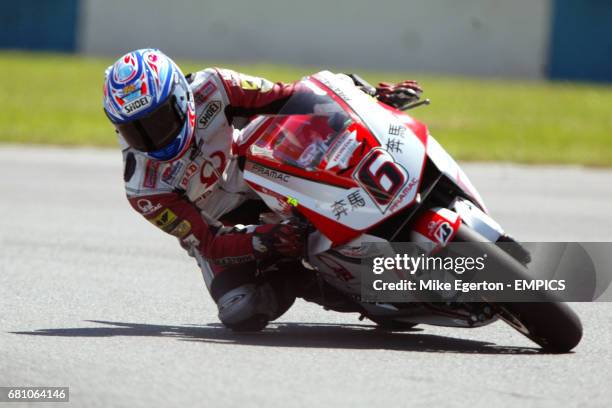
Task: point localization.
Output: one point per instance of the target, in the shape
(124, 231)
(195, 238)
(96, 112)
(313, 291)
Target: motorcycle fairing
(376, 173)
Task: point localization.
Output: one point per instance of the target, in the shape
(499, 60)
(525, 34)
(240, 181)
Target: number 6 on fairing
(381, 177)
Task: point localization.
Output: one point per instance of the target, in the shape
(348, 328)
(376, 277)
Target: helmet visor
(156, 130)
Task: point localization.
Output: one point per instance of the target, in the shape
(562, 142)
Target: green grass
(56, 99)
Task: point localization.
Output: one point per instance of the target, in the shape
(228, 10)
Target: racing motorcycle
(360, 171)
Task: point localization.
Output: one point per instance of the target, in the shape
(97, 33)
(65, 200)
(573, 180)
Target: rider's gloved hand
(283, 240)
(400, 94)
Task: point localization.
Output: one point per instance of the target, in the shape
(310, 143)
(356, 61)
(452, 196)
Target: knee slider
(248, 307)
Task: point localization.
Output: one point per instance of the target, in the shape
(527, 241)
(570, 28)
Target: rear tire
(552, 325)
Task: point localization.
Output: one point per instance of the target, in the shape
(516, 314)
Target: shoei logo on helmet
(138, 105)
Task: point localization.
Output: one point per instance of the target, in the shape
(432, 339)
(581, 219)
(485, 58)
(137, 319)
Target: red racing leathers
(187, 196)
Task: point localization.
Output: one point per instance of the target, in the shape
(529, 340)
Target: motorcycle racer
(183, 155)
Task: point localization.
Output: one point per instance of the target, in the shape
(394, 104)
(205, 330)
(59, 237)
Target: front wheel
(552, 325)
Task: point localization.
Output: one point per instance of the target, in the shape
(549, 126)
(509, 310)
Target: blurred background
(520, 80)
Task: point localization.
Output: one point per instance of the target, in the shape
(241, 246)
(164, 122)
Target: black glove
(285, 240)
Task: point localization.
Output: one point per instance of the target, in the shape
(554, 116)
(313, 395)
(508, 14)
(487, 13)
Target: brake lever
(415, 105)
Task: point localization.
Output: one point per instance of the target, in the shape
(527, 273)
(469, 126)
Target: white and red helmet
(148, 100)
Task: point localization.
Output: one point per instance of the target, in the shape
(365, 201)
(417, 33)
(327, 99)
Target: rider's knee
(247, 302)
(248, 307)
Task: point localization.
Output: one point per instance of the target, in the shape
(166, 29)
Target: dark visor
(156, 130)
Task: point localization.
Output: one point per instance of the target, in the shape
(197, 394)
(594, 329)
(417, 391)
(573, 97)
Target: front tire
(552, 325)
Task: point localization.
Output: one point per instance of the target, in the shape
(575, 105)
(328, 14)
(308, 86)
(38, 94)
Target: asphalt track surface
(94, 298)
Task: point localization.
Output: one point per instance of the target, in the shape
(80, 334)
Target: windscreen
(305, 130)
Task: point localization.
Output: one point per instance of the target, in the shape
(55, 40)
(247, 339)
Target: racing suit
(186, 197)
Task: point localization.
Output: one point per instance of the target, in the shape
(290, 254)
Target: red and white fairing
(369, 170)
(347, 163)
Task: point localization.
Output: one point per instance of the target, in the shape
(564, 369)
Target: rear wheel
(552, 325)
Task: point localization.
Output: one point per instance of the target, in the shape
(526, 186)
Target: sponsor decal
(137, 105)
(310, 155)
(251, 83)
(340, 208)
(128, 89)
(394, 145)
(269, 173)
(398, 201)
(171, 172)
(211, 110)
(396, 130)
(182, 229)
(204, 92)
(232, 260)
(334, 87)
(191, 170)
(356, 200)
(442, 232)
(438, 226)
(212, 169)
(342, 151)
(164, 219)
(146, 207)
(150, 178)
